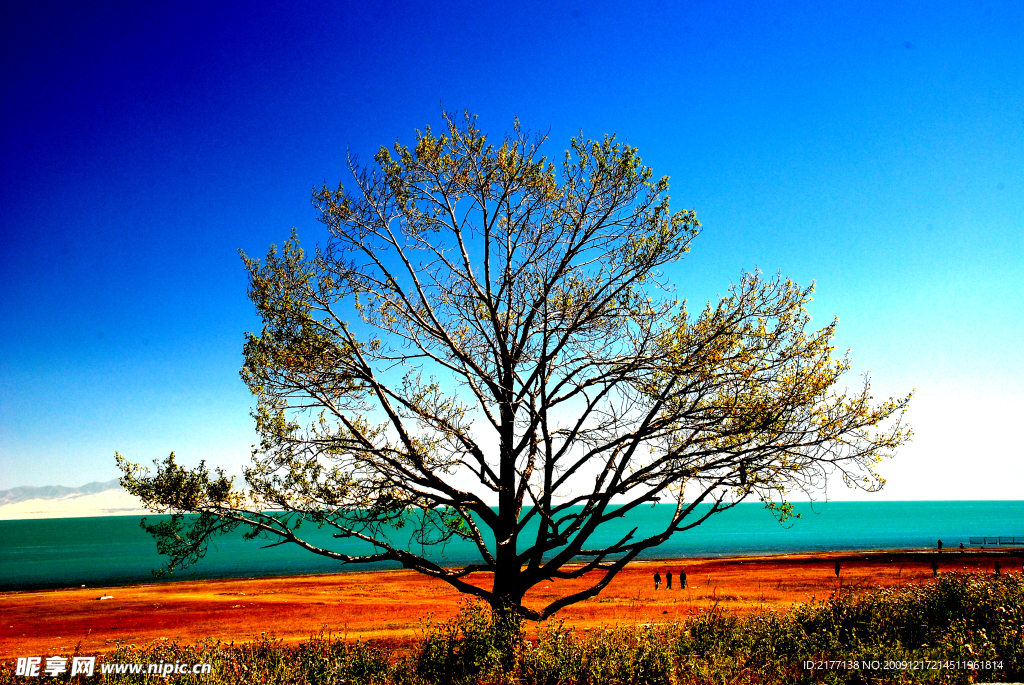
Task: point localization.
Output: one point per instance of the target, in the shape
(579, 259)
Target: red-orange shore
(391, 606)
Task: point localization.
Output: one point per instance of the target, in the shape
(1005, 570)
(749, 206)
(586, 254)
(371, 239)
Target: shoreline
(795, 557)
(389, 607)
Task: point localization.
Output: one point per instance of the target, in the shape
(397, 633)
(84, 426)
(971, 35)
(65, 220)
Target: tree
(486, 349)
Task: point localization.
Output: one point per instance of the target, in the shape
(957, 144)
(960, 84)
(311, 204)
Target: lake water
(52, 553)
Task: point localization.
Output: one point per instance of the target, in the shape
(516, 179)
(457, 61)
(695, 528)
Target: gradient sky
(875, 148)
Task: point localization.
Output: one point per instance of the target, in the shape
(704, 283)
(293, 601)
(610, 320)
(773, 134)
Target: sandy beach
(392, 606)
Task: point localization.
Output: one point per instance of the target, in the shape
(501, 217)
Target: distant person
(838, 568)
(682, 579)
(961, 548)
(657, 580)
(940, 546)
(668, 580)
(998, 567)
(935, 569)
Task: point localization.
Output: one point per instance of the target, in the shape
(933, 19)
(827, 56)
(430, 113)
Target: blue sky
(875, 148)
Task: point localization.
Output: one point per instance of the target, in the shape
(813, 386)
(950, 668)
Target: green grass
(959, 617)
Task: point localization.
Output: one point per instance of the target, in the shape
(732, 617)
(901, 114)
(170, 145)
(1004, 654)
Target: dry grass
(388, 606)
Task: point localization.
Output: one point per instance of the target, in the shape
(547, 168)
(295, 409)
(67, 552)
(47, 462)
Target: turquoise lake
(53, 553)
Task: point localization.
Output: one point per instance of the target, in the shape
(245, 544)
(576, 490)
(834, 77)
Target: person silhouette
(935, 569)
(940, 546)
(682, 579)
(838, 568)
(668, 580)
(657, 580)
(961, 548)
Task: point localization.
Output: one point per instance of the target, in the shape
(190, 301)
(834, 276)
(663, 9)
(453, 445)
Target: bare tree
(486, 349)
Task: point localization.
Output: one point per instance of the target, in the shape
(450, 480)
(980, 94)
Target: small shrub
(476, 645)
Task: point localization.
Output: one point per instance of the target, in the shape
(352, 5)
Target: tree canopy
(487, 348)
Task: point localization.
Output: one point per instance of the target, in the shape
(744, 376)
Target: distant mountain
(30, 492)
